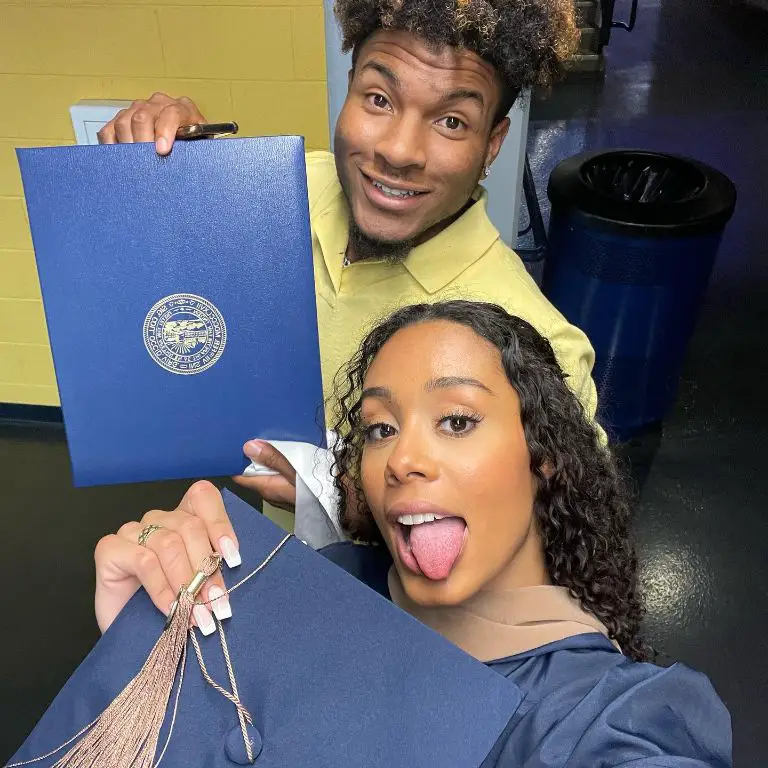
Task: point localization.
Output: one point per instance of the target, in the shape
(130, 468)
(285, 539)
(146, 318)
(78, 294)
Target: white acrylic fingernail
(220, 603)
(204, 620)
(230, 552)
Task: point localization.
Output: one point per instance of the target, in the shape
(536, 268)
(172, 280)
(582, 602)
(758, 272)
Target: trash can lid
(649, 190)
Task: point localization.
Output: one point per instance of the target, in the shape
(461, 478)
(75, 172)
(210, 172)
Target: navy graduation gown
(585, 705)
(334, 675)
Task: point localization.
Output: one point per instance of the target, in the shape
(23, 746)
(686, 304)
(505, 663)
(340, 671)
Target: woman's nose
(411, 459)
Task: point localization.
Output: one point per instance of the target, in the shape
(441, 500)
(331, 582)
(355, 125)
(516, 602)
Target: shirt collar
(444, 257)
(332, 231)
(433, 264)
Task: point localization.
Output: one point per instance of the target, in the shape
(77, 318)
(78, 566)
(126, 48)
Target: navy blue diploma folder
(333, 675)
(179, 296)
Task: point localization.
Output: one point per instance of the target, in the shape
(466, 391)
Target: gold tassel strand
(110, 748)
(127, 732)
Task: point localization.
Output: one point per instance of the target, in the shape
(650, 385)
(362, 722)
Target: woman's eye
(459, 425)
(452, 123)
(380, 431)
(379, 101)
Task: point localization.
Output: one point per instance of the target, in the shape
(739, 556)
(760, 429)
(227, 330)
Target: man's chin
(387, 236)
(378, 245)
(384, 227)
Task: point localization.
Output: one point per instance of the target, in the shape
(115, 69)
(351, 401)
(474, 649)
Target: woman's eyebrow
(383, 393)
(445, 382)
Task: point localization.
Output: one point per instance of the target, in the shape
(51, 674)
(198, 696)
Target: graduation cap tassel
(127, 733)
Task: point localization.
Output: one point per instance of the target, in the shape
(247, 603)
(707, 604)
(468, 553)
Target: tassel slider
(208, 567)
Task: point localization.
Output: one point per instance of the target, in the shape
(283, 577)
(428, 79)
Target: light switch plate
(89, 115)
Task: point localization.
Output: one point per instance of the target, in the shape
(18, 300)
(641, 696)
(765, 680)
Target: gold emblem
(185, 334)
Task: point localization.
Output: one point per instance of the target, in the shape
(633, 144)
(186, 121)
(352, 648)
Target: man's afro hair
(527, 41)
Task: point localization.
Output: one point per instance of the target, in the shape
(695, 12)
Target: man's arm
(577, 359)
(517, 292)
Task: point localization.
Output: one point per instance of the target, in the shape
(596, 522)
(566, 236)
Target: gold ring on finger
(146, 533)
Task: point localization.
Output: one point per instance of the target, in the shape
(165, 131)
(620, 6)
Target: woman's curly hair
(581, 507)
(527, 41)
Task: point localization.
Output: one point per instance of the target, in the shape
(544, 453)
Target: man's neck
(444, 224)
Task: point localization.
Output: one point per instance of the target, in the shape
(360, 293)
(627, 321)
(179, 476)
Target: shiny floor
(691, 78)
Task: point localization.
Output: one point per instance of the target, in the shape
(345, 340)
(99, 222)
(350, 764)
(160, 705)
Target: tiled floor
(692, 78)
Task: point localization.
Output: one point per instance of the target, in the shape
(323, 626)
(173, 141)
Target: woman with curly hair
(397, 211)
(482, 502)
(557, 513)
(506, 530)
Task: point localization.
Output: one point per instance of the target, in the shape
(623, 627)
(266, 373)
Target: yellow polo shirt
(467, 260)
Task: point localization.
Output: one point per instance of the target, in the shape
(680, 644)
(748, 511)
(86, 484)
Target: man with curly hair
(398, 215)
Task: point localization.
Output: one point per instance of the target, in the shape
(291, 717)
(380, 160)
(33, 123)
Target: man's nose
(402, 146)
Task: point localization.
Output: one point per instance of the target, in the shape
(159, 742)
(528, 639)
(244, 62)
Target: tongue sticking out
(437, 545)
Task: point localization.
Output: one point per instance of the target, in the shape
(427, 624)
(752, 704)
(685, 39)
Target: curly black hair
(526, 41)
(582, 505)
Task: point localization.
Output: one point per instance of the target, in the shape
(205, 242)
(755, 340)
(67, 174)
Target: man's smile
(390, 195)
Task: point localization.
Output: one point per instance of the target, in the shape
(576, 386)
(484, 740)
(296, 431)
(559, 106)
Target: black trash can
(632, 240)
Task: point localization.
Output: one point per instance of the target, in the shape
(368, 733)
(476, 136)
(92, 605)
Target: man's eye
(452, 123)
(379, 101)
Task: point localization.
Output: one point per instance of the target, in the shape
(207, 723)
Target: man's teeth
(393, 192)
(418, 519)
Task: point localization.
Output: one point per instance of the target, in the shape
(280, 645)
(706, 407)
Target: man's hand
(279, 490)
(154, 119)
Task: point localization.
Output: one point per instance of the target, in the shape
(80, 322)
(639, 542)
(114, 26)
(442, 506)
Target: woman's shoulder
(597, 707)
(585, 704)
(368, 563)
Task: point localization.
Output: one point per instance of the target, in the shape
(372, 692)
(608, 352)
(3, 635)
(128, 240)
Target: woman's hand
(169, 557)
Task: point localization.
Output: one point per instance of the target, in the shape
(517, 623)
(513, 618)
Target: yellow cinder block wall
(260, 62)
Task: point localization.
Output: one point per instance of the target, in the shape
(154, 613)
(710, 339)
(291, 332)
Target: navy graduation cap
(329, 672)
